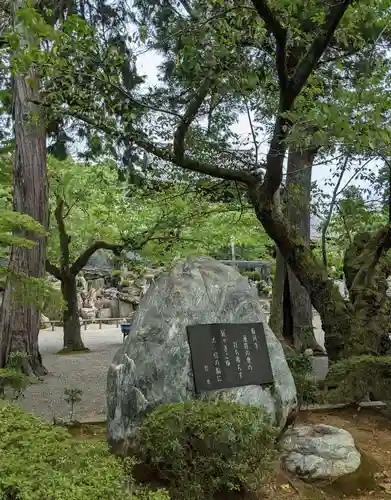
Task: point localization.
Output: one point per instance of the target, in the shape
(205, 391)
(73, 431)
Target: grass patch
(43, 462)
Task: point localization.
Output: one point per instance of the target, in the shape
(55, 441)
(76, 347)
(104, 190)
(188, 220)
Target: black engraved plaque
(226, 355)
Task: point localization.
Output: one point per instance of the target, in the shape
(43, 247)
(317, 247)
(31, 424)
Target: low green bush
(355, 377)
(42, 462)
(201, 448)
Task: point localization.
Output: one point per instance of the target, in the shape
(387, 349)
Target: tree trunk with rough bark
(372, 306)
(67, 272)
(19, 324)
(291, 312)
(72, 330)
(336, 314)
(72, 340)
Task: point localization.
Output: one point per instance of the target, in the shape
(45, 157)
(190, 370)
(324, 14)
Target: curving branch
(309, 62)
(289, 92)
(333, 200)
(273, 24)
(53, 270)
(253, 134)
(189, 116)
(165, 153)
(82, 260)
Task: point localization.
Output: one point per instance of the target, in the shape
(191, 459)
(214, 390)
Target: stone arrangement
(106, 297)
(153, 366)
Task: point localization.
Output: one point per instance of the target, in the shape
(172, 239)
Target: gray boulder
(44, 322)
(320, 452)
(153, 366)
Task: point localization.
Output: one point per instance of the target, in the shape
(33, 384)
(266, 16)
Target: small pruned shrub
(72, 396)
(355, 377)
(306, 387)
(201, 448)
(43, 462)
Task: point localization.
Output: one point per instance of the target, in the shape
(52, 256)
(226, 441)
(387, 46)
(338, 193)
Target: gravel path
(86, 371)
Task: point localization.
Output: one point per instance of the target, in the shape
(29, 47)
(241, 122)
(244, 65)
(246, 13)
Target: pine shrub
(201, 448)
(355, 377)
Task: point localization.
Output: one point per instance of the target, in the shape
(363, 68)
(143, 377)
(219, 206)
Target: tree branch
(195, 165)
(82, 260)
(52, 269)
(331, 208)
(166, 154)
(345, 225)
(189, 116)
(186, 5)
(310, 60)
(280, 34)
(253, 134)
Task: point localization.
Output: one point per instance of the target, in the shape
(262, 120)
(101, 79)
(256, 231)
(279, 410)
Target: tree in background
(92, 210)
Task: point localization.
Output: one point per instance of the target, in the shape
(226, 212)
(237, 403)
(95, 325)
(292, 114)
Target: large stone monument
(154, 365)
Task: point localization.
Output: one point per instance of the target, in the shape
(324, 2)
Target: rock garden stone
(125, 309)
(320, 452)
(110, 293)
(44, 322)
(104, 313)
(88, 312)
(153, 366)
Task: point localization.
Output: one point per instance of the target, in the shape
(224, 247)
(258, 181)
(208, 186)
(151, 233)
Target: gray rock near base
(88, 312)
(110, 293)
(44, 322)
(125, 309)
(320, 452)
(153, 366)
(103, 303)
(104, 313)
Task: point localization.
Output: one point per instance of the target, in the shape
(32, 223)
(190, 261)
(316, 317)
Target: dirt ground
(372, 433)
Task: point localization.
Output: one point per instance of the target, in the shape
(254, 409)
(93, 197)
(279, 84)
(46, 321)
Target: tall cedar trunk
(19, 324)
(291, 313)
(72, 331)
